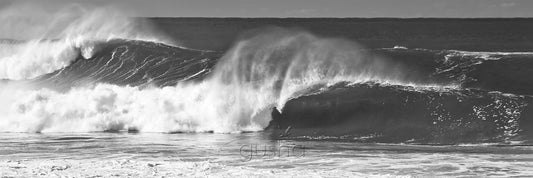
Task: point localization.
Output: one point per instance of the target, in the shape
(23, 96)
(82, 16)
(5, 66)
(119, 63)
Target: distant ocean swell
(326, 88)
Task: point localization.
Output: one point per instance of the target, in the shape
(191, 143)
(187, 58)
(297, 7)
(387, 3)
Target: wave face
(371, 112)
(488, 99)
(326, 88)
(133, 63)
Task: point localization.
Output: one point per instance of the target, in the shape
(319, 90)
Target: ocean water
(107, 95)
(249, 154)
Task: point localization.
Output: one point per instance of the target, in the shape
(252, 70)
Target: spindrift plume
(53, 40)
(279, 63)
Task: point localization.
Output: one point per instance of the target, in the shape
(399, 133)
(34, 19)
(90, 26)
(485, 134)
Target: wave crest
(61, 37)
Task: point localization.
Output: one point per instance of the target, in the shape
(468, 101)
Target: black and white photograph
(266, 88)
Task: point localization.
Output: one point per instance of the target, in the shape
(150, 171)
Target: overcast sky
(306, 8)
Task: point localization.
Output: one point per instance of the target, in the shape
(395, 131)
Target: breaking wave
(151, 87)
(114, 78)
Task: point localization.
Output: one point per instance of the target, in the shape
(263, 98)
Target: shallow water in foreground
(154, 154)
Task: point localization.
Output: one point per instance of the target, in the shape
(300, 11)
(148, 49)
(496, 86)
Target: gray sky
(306, 8)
